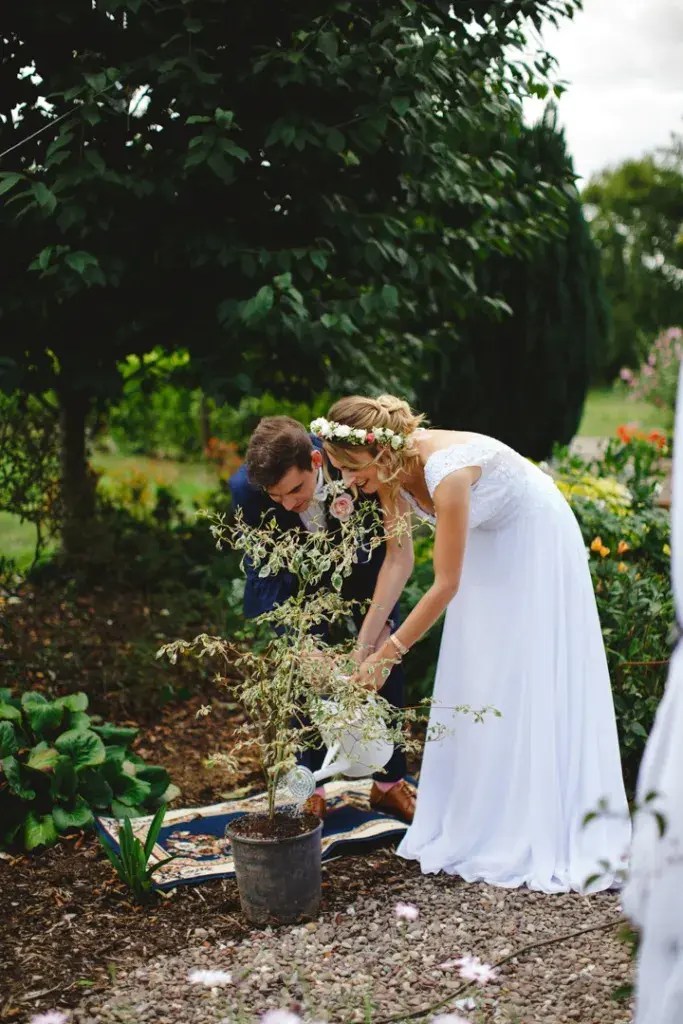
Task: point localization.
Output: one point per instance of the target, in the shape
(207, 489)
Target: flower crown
(331, 431)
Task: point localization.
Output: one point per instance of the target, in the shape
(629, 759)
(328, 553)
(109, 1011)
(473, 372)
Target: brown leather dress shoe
(316, 805)
(399, 801)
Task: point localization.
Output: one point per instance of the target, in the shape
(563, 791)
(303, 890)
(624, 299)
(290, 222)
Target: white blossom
(342, 430)
(406, 912)
(50, 1017)
(280, 1017)
(211, 979)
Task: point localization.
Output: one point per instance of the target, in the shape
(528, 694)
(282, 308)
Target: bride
(501, 801)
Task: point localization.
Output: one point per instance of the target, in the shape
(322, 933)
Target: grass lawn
(605, 410)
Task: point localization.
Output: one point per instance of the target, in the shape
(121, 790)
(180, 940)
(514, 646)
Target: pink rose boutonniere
(342, 507)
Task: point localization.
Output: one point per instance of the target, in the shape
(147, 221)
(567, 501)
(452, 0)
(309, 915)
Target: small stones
(328, 968)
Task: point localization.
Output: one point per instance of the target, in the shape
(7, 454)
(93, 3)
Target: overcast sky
(623, 60)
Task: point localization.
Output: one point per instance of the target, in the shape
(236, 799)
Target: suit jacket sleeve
(260, 595)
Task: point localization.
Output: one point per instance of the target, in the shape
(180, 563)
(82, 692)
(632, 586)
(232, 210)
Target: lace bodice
(509, 484)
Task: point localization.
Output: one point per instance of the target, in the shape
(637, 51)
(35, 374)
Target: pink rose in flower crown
(342, 507)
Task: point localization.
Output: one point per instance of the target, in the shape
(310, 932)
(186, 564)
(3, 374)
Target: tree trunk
(204, 422)
(78, 492)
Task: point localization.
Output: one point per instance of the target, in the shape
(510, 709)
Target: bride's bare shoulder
(429, 441)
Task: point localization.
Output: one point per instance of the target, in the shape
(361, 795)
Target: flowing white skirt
(503, 801)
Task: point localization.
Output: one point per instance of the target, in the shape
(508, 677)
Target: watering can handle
(330, 766)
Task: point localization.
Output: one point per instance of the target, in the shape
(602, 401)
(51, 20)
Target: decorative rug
(196, 836)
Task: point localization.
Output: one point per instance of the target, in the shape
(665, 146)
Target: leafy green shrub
(131, 865)
(58, 768)
(628, 538)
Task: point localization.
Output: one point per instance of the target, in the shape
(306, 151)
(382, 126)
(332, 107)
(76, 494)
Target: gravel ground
(357, 962)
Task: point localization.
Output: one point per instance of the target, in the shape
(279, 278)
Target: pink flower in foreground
(406, 912)
(342, 507)
(626, 374)
(472, 969)
(51, 1017)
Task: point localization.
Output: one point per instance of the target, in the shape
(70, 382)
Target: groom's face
(294, 491)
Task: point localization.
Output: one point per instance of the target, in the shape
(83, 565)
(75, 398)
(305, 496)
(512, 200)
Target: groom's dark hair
(277, 445)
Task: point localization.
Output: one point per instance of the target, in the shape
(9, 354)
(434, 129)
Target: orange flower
(622, 546)
(624, 434)
(658, 438)
(596, 544)
(622, 567)
(604, 552)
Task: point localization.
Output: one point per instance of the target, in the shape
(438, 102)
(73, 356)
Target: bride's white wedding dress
(503, 801)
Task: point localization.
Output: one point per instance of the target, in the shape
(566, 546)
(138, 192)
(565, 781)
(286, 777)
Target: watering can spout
(353, 754)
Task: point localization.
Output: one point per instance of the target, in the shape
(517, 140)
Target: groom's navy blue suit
(260, 595)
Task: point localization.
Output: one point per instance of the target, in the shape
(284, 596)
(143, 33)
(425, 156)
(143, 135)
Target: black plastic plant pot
(278, 877)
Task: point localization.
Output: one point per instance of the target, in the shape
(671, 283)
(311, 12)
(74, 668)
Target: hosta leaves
(131, 790)
(84, 748)
(157, 778)
(116, 734)
(13, 774)
(77, 816)
(39, 831)
(77, 720)
(64, 779)
(94, 788)
(73, 701)
(43, 716)
(8, 739)
(42, 758)
(121, 810)
(9, 713)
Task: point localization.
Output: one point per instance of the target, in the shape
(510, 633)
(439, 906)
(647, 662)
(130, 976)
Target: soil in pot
(282, 826)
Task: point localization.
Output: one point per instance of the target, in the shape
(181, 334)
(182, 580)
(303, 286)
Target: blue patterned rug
(197, 835)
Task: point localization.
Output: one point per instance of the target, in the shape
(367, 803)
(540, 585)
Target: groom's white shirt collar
(314, 516)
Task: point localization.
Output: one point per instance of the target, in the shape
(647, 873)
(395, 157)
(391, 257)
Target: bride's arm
(452, 503)
(393, 575)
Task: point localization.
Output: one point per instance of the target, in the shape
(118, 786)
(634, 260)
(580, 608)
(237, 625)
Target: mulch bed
(68, 925)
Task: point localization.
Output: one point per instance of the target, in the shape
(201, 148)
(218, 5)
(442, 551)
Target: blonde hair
(369, 414)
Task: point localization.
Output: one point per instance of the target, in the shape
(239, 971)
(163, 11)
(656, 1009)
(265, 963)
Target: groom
(283, 476)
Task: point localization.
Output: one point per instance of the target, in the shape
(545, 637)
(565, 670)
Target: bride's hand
(362, 652)
(373, 673)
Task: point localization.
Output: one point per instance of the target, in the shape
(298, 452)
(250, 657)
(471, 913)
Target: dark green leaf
(74, 701)
(94, 788)
(46, 199)
(42, 758)
(8, 739)
(8, 180)
(401, 104)
(10, 713)
(13, 774)
(258, 306)
(77, 816)
(39, 831)
(84, 748)
(122, 735)
(327, 44)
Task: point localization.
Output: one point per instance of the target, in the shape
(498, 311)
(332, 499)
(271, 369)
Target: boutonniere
(342, 506)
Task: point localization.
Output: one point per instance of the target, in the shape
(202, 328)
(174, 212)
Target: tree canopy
(636, 217)
(294, 193)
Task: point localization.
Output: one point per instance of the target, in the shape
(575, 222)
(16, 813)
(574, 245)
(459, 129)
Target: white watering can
(352, 750)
